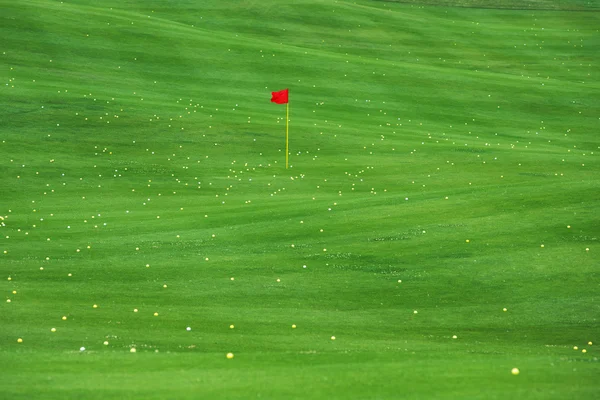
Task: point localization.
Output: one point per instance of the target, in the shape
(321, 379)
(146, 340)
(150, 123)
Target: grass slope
(443, 166)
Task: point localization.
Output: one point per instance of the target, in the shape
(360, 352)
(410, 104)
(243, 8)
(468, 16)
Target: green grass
(453, 149)
(562, 5)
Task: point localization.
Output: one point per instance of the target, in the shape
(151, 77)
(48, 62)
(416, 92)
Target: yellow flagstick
(287, 122)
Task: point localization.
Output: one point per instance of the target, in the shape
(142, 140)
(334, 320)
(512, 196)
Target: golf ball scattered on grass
(82, 348)
(19, 340)
(293, 326)
(53, 330)
(188, 329)
(333, 338)
(515, 371)
(132, 350)
(105, 343)
(229, 355)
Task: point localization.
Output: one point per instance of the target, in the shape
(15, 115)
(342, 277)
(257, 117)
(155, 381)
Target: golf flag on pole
(282, 97)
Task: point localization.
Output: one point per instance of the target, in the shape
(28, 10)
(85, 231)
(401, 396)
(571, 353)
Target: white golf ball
(82, 348)
(188, 329)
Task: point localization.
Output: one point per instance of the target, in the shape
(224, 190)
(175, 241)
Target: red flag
(280, 97)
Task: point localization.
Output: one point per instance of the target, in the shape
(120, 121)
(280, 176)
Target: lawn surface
(437, 227)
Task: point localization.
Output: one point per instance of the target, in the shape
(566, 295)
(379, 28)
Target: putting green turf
(443, 167)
